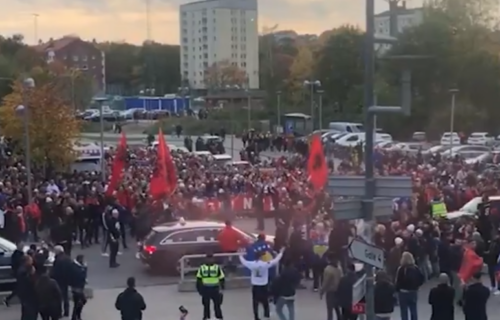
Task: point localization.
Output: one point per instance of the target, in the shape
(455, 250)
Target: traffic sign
(367, 253)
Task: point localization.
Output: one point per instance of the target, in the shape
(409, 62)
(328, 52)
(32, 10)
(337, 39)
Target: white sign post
(367, 253)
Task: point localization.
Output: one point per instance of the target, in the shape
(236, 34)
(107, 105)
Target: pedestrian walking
(442, 299)
(130, 302)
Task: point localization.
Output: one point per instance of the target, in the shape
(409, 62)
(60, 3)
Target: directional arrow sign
(366, 253)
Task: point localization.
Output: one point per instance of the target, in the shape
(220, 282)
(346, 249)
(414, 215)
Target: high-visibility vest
(439, 209)
(210, 275)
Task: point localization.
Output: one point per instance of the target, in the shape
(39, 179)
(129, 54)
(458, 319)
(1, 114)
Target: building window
(84, 67)
(84, 58)
(75, 58)
(243, 64)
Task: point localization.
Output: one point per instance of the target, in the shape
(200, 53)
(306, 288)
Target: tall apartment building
(405, 18)
(212, 31)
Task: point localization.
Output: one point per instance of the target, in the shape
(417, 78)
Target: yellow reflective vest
(439, 209)
(210, 275)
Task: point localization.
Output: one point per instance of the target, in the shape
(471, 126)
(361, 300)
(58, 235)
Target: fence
(236, 275)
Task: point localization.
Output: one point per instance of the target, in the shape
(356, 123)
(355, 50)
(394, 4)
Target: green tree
(457, 40)
(131, 68)
(339, 67)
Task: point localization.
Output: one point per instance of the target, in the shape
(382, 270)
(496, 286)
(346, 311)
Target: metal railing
(189, 264)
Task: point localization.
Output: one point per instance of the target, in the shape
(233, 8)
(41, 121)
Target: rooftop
(400, 11)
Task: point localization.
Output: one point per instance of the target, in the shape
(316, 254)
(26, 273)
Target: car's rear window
(151, 237)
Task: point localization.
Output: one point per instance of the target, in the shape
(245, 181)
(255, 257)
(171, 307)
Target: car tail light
(150, 249)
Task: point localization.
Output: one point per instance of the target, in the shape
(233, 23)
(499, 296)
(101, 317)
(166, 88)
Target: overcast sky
(118, 20)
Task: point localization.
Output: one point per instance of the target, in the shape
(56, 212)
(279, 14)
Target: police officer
(438, 208)
(210, 284)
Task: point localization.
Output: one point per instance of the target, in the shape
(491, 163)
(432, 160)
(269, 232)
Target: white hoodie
(260, 269)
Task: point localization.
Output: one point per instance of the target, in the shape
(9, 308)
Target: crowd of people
(72, 208)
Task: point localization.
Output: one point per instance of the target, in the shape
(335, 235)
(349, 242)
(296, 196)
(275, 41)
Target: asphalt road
(112, 140)
(163, 299)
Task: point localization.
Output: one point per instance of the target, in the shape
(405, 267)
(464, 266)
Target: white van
(222, 158)
(346, 126)
(353, 139)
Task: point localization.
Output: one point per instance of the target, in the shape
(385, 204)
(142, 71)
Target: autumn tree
(52, 125)
(222, 74)
(301, 69)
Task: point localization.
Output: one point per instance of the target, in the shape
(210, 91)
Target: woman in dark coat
(441, 299)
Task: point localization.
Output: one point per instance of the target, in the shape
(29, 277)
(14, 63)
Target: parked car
(450, 138)
(481, 138)
(162, 249)
(419, 136)
(7, 248)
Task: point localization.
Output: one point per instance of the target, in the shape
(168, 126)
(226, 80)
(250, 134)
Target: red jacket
(231, 240)
(33, 211)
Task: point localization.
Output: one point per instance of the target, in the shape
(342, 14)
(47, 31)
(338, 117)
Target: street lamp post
(452, 115)
(185, 91)
(23, 111)
(278, 107)
(100, 101)
(230, 88)
(249, 109)
(311, 85)
(320, 111)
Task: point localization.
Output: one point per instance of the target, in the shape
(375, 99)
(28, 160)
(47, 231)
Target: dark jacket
(16, 260)
(384, 297)
(26, 284)
(61, 270)
(131, 304)
(48, 293)
(456, 256)
(474, 302)
(78, 276)
(441, 299)
(113, 228)
(409, 278)
(344, 290)
(286, 283)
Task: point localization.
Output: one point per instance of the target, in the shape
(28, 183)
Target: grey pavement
(112, 139)
(163, 302)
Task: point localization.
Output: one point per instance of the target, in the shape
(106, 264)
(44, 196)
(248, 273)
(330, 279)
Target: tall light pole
(229, 89)
(452, 116)
(249, 109)
(278, 107)
(23, 111)
(35, 27)
(320, 109)
(185, 92)
(311, 85)
(100, 101)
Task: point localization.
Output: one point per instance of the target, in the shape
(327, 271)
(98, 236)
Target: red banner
(239, 203)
